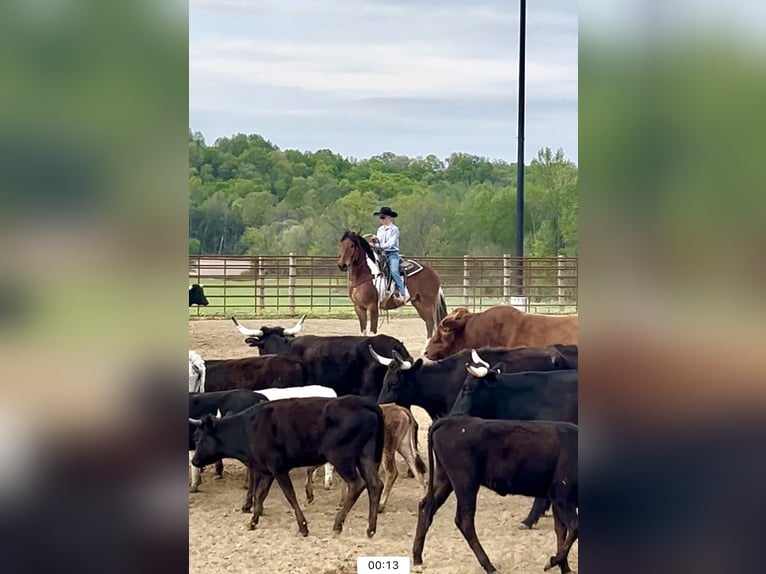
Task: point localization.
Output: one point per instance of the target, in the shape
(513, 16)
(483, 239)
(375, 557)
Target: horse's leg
(426, 310)
(361, 313)
(374, 318)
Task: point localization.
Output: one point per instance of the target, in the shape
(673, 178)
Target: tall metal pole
(520, 143)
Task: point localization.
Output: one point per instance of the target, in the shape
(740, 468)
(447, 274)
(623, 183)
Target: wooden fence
(292, 285)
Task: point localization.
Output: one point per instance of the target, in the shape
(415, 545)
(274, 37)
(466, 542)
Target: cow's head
(197, 295)
(271, 340)
(475, 395)
(400, 378)
(449, 337)
(207, 444)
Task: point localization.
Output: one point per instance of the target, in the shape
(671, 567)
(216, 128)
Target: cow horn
(190, 287)
(404, 365)
(382, 360)
(477, 359)
(297, 329)
(218, 413)
(195, 422)
(479, 372)
(248, 332)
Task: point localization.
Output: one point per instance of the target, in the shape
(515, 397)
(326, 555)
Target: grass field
(318, 297)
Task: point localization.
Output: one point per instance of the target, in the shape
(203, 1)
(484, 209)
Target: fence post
(466, 281)
(261, 281)
(225, 280)
(291, 282)
(506, 279)
(560, 280)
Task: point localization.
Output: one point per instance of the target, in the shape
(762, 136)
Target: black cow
(509, 457)
(225, 402)
(496, 394)
(435, 386)
(253, 373)
(197, 295)
(272, 438)
(342, 363)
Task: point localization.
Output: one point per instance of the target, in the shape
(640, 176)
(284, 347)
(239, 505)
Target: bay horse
(425, 290)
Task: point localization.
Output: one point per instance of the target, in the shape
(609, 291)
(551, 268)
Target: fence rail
(291, 285)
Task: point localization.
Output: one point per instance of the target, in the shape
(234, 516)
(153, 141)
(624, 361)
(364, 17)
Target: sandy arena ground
(219, 540)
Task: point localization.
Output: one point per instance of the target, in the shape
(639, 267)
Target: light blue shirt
(388, 237)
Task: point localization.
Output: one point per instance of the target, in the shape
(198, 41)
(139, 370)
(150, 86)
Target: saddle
(383, 280)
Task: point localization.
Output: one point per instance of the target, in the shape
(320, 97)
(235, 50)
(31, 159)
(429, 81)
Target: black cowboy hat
(386, 211)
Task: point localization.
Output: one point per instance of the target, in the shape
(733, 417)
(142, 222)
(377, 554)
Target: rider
(387, 239)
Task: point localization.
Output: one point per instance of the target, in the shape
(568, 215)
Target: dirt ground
(219, 540)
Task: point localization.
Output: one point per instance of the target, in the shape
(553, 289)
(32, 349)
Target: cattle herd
(500, 387)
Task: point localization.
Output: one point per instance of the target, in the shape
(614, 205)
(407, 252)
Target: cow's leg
(218, 469)
(427, 508)
(262, 485)
(565, 522)
(327, 476)
(389, 464)
(310, 484)
(196, 475)
(405, 449)
(346, 469)
(464, 519)
(369, 471)
(251, 480)
(283, 478)
(539, 507)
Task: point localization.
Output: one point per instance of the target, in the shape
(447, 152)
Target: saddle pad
(408, 267)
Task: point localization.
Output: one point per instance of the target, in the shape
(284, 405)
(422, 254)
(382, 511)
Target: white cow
(196, 373)
(274, 394)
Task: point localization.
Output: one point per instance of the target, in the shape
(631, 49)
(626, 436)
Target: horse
(424, 286)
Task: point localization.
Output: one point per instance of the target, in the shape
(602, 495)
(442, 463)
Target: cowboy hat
(386, 211)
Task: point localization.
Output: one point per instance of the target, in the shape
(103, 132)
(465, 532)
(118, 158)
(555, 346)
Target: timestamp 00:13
(383, 565)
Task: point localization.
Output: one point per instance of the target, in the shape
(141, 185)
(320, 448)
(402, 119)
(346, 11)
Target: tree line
(247, 196)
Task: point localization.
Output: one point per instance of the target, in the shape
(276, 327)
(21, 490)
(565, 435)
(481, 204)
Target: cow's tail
(441, 307)
(380, 436)
(419, 464)
(428, 501)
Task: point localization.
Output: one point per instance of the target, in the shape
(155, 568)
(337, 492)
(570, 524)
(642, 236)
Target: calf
(304, 392)
(274, 437)
(509, 457)
(201, 404)
(401, 437)
(196, 373)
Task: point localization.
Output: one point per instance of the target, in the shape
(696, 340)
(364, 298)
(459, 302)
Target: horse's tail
(441, 308)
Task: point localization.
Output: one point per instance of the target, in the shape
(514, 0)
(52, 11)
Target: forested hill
(250, 197)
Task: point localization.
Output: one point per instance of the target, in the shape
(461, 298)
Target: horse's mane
(360, 241)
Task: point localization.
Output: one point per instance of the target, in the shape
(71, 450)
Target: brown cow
(401, 435)
(501, 326)
(253, 373)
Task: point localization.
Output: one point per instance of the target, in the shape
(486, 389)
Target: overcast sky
(363, 77)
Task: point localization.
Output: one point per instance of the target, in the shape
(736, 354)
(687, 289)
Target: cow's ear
(456, 320)
(417, 364)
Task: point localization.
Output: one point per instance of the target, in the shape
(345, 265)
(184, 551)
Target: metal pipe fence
(292, 285)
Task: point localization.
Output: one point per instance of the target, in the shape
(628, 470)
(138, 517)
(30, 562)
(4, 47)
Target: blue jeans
(393, 265)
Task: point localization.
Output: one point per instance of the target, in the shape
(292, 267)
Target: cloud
(380, 65)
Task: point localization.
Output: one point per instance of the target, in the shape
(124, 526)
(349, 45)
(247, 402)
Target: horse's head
(353, 249)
